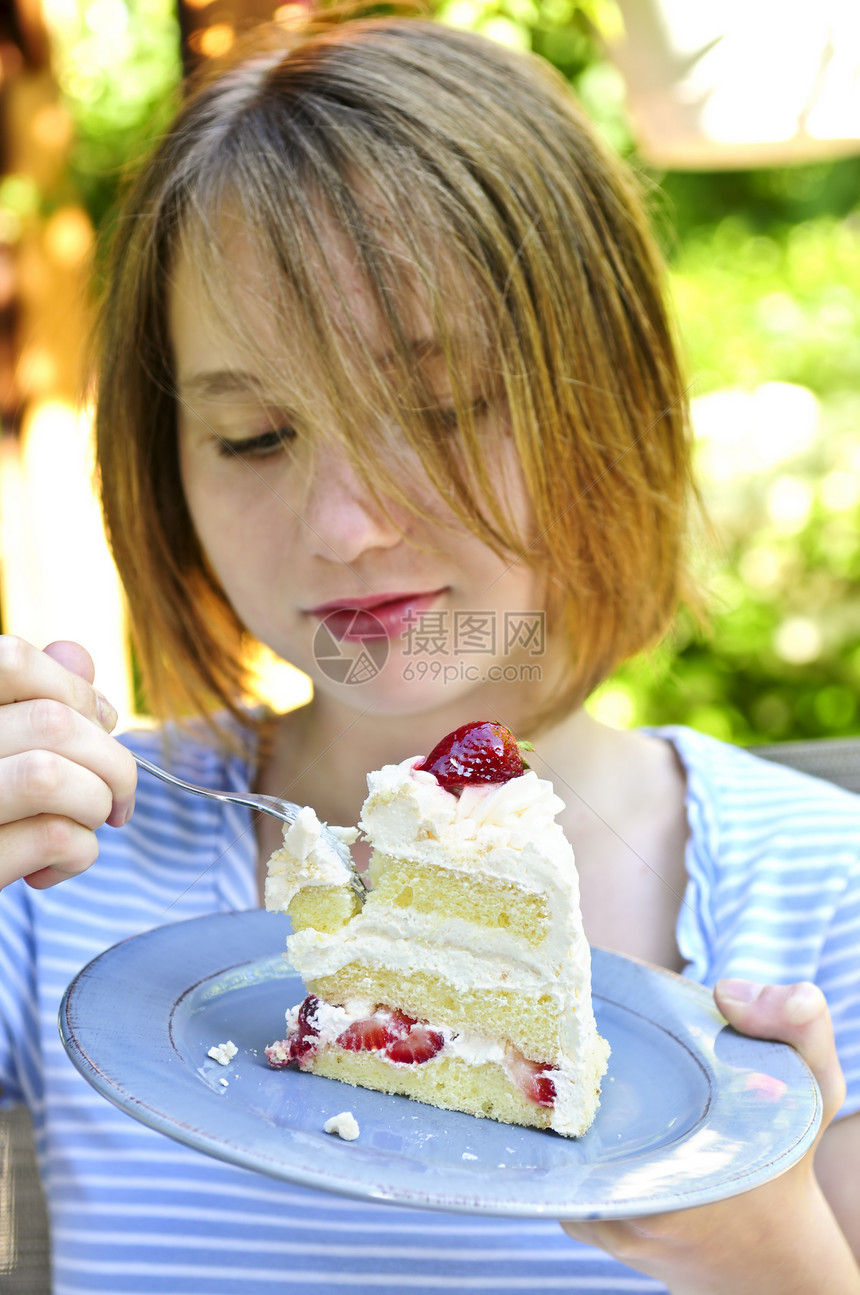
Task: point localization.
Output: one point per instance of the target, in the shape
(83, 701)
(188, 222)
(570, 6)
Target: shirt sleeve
(839, 980)
(773, 892)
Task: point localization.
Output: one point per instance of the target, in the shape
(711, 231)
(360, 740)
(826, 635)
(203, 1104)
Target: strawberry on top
(483, 751)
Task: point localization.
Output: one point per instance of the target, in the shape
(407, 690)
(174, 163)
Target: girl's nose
(341, 517)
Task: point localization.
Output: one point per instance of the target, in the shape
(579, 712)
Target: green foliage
(780, 305)
(779, 195)
(118, 68)
(771, 320)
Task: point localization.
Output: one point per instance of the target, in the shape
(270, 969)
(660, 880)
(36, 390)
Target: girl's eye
(259, 446)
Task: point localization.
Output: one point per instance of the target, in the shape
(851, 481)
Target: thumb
(77, 660)
(73, 657)
(794, 1014)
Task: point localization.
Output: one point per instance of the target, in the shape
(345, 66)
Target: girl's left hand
(779, 1239)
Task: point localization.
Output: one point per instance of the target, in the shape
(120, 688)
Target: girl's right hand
(61, 775)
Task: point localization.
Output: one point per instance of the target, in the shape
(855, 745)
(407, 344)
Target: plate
(691, 1111)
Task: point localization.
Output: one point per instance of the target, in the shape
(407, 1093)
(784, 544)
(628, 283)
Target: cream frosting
(408, 814)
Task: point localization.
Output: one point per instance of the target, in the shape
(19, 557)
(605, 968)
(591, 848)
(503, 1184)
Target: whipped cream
(409, 814)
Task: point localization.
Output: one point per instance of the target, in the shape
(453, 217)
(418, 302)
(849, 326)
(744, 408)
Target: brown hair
(496, 187)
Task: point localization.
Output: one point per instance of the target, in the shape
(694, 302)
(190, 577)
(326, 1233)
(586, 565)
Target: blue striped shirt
(773, 894)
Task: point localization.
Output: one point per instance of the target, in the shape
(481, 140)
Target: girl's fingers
(34, 783)
(26, 674)
(46, 727)
(44, 850)
(71, 656)
(795, 1014)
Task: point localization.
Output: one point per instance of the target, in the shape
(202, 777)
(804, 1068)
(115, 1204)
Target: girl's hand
(781, 1238)
(61, 775)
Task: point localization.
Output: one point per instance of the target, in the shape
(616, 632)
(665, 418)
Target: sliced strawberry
(305, 1034)
(401, 1022)
(306, 1020)
(541, 1091)
(301, 1039)
(481, 752)
(373, 1033)
(532, 1079)
(370, 1035)
(416, 1047)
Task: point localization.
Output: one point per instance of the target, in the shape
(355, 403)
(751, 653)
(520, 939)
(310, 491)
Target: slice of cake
(462, 977)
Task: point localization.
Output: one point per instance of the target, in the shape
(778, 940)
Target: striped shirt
(773, 894)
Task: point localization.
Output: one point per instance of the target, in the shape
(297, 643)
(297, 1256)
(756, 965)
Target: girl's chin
(391, 692)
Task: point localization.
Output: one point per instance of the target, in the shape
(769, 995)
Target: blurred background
(744, 122)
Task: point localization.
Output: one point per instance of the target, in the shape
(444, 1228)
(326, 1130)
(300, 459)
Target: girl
(383, 361)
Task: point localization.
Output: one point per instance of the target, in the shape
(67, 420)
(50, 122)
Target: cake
(461, 977)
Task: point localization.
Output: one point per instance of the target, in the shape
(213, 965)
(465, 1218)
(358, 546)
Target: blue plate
(691, 1112)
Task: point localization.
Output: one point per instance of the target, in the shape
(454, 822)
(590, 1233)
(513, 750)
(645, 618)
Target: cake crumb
(225, 1083)
(344, 1125)
(223, 1053)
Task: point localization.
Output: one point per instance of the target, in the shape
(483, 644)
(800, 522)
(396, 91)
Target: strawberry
(481, 752)
(371, 1034)
(303, 1039)
(306, 1020)
(541, 1091)
(401, 1022)
(416, 1047)
(532, 1079)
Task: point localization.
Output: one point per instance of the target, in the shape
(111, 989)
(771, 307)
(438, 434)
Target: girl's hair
(466, 187)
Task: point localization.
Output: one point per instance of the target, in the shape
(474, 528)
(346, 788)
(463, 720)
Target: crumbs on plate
(223, 1053)
(344, 1125)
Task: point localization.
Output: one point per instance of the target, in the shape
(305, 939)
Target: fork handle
(228, 797)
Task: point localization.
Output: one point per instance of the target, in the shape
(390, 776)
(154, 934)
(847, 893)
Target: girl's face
(396, 613)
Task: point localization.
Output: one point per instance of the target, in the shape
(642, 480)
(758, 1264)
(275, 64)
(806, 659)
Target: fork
(285, 810)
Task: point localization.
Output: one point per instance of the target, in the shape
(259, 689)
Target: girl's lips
(373, 617)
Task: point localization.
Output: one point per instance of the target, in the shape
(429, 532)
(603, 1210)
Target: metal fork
(285, 810)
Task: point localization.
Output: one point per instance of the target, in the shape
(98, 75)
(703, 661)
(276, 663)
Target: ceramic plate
(691, 1112)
